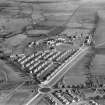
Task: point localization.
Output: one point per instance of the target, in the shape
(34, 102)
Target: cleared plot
(99, 65)
(76, 75)
(18, 98)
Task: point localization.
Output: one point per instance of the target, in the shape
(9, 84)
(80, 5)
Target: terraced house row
(44, 64)
(50, 100)
(65, 97)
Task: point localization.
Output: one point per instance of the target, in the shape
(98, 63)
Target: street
(70, 63)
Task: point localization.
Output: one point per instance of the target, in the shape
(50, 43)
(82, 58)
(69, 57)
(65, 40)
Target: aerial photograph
(52, 52)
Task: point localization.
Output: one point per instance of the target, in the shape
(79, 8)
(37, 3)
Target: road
(70, 63)
(35, 99)
(66, 67)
